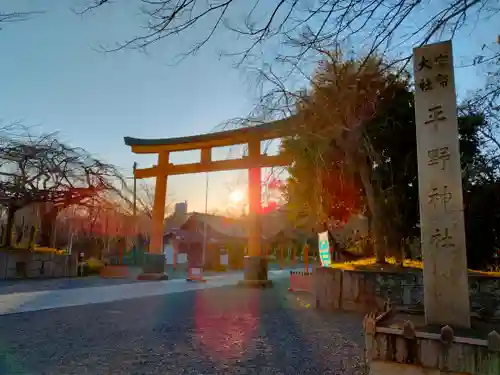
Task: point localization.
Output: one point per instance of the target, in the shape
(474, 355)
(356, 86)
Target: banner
(324, 249)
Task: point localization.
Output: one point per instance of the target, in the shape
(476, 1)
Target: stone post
(446, 291)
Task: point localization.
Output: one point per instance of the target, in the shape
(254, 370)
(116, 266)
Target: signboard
(70, 247)
(224, 259)
(195, 271)
(446, 290)
(324, 249)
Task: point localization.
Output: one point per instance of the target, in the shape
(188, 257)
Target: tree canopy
(356, 152)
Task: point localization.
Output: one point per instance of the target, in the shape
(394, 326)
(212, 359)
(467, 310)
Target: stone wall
(413, 352)
(16, 264)
(366, 291)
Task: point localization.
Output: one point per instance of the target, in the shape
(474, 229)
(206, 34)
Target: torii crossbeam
(252, 136)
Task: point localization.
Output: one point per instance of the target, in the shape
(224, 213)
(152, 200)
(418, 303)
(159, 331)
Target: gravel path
(226, 330)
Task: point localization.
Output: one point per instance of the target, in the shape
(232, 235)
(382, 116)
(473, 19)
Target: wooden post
(175, 257)
(281, 257)
(254, 195)
(306, 257)
(292, 248)
(156, 245)
(206, 156)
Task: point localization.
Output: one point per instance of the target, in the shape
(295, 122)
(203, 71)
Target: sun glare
(236, 196)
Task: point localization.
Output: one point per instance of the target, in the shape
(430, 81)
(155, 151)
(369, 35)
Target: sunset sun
(236, 196)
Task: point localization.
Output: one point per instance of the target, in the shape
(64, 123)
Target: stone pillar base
(255, 283)
(154, 267)
(255, 273)
(152, 276)
(115, 272)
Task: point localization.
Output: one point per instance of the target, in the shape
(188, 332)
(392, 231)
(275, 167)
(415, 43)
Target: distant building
(184, 235)
(181, 208)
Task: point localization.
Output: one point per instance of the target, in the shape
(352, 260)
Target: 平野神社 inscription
(438, 156)
(442, 196)
(441, 238)
(440, 187)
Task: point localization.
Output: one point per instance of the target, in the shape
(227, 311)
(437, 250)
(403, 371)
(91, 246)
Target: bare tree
(103, 225)
(146, 199)
(329, 21)
(12, 17)
(44, 170)
(304, 30)
(377, 24)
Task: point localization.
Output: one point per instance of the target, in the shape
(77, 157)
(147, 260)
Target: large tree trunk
(377, 229)
(11, 214)
(48, 221)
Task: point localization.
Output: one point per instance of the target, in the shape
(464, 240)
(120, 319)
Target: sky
(52, 77)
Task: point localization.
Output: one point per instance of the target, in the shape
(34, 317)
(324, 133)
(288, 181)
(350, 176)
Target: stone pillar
(446, 291)
(255, 262)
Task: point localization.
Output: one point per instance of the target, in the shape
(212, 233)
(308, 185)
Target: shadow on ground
(226, 330)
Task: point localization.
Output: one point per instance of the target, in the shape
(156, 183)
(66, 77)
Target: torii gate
(255, 267)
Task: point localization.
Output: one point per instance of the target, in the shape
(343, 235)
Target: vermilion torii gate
(256, 265)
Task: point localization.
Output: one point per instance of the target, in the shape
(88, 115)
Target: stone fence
(19, 264)
(364, 291)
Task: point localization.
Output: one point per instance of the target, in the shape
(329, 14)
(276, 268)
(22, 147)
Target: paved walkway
(31, 285)
(175, 327)
(49, 299)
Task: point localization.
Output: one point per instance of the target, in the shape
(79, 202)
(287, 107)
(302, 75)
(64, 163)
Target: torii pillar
(158, 214)
(154, 267)
(255, 262)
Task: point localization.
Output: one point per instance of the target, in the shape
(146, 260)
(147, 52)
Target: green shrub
(94, 265)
